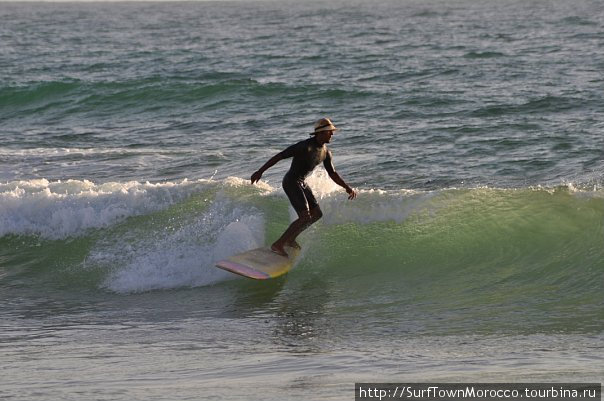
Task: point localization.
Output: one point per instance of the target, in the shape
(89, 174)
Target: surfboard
(259, 263)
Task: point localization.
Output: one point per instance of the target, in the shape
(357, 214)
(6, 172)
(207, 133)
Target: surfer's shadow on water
(294, 311)
(301, 316)
(253, 298)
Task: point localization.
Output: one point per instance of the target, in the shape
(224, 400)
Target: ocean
(474, 252)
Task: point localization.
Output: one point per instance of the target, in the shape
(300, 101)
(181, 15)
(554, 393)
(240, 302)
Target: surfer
(306, 155)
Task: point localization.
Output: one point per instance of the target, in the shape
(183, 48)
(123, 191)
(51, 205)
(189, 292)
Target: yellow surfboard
(259, 263)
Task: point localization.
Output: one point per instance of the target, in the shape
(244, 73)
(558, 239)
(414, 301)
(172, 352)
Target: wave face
(501, 249)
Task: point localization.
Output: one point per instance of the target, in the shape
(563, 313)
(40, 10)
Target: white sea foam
(59, 209)
(371, 205)
(182, 258)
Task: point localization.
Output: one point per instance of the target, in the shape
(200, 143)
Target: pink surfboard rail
(242, 270)
(259, 263)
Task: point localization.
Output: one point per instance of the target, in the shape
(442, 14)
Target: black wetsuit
(306, 156)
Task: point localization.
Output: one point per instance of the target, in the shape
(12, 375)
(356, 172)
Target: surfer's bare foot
(278, 249)
(294, 244)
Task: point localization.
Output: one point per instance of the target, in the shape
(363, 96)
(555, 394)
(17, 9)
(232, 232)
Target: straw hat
(324, 124)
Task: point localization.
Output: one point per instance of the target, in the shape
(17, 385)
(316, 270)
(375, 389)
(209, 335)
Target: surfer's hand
(351, 193)
(256, 177)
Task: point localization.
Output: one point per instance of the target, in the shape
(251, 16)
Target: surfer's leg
(297, 197)
(296, 227)
(313, 214)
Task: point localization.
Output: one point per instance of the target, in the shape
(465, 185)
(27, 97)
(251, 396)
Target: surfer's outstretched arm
(338, 180)
(328, 164)
(270, 163)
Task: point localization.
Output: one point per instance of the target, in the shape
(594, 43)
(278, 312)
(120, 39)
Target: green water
(471, 130)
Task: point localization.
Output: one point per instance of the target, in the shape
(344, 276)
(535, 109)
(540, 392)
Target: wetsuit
(306, 156)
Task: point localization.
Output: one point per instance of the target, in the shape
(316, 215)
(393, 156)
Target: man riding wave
(306, 155)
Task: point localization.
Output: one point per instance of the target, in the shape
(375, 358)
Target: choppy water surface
(128, 131)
